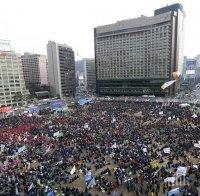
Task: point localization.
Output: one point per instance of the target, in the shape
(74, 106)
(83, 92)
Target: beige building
(11, 78)
(35, 71)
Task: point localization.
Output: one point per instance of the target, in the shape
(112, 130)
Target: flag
(114, 145)
(30, 187)
(113, 120)
(73, 170)
(88, 177)
(92, 183)
(16, 190)
(166, 150)
(86, 126)
(48, 149)
(167, 84)
(194, 116)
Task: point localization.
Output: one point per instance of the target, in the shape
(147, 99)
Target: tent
(174, 192)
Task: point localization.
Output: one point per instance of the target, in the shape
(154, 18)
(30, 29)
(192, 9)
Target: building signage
(190, 72)
(191, 63)
(5, 45)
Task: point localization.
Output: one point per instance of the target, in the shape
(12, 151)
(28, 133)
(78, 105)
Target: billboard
(5, 45)
(191, 63)
(190, 72)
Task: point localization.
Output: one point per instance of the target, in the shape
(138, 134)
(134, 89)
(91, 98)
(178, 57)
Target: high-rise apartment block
(11, 78)
(35, 71)
(61, 69)
(90, 75)
(136, 56)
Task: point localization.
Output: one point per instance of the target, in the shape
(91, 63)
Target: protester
(103, 147)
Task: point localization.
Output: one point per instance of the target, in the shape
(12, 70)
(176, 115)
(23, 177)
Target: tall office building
(136, 56)
(90, 75)
(11, 76)
(35, 71)
(61, 69)
(191, 72)
(80, 72)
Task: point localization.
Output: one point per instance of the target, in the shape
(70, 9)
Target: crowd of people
(103, 148)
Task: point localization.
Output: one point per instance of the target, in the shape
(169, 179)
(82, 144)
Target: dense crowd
(119, 143)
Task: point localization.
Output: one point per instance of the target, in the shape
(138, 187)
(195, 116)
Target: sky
(29, 24)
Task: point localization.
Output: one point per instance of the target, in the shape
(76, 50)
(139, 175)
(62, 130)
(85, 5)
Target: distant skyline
(30, 24)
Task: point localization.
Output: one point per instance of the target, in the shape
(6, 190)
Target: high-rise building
(35, 71)
(191, 71)
(90, 75)
(136, 56)
(80, 72)
(12, 85)
(61, 70)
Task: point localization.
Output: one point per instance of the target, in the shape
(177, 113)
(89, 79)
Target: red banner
(5, 109)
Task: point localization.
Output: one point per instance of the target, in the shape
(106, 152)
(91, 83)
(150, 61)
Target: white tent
(183, 105)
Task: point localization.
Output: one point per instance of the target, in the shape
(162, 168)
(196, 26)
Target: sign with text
(5, 45)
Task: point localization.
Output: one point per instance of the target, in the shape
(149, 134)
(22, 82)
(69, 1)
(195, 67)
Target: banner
(166, 150)
(197, 145)
(92, 183)
(55, 104)
(88, 177)
(181, 171)
(170, 179)
(194, 116)
(5, 109)
(144, 150)
(23, 148)
(167, 84)
(2, 147)
(58, 134)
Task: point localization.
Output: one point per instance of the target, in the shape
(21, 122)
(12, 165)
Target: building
(61, 70)
(12, 85)
(80, 72)
(191, 71)
(90, 75)
(136, 56)
(35, 71)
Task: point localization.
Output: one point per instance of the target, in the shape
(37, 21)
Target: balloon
(176, 75)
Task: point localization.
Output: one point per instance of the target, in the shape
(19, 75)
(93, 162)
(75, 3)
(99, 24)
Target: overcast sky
(29, 24)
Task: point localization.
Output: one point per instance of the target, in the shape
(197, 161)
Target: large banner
(5, 109)
(58, 103)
